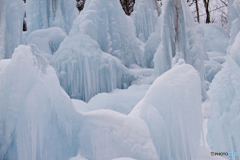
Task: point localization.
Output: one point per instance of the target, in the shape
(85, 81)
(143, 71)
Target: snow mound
(84, 70)
(172, 110)
(224, 93)
(106, 23)
(47, 40)
(145, 18)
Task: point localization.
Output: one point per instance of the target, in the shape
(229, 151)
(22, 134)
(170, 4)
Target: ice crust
(224, 122)
(145, 17)
(11, 26)
(172, 110)
(106, 23)
(180, 38)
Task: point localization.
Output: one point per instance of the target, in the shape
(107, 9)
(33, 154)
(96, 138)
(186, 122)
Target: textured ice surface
(84, 70)
(105, 22)
(145, 17)
(215, 37)
(47, 40)
(42, 14)
(224, 122)
(11, 26)
(182, 37)
(211, 69)
(235, 49)
(36, 115)
(172, 110)
(123, 159)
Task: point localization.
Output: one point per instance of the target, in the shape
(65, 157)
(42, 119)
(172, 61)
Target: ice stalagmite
(224, 122)
(106, 23)
(11, 26)
(172, 110)
(145, 18)
(180, 38)
(42, 14)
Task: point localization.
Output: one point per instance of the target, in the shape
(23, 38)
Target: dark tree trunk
(196, 2)
(206, 4)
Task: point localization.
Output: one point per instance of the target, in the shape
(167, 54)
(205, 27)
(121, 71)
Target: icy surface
(235, 49)
(11, 26)
(172, 110)
(47, 40)
(123, 159)
(42, 14)
(224, 122)
(84, 70)
(106, 23)
(145, 18)
(180, 37)
(211, 69)
(215, 37)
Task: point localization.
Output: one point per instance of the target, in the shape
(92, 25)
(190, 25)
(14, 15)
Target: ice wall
(180, 37)
(172, 110)
(84, 70)
(42, 14)
(105, 22)
(224, 122)
(11, 26)
(145, 17)
(36, 116)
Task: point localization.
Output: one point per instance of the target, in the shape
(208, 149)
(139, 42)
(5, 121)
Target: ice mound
(36, 115)
(11, 26)
(172, 110)
(123, 159)
(106, 135)
(216, 39)
(211, 69)
(235, 49)
(84, 70)
(105, 22)
(42, 14)
(180, 37)
(47, 40)
(224, 122)
(145, 17)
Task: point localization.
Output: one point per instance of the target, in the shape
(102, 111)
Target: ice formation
(11, 26)
(84, 70)
(47, 40)
(105, 22)
(172, 110)
(181, 37)
(224, 122)
(145, 17)
(235, 49)
(211, 69)
(42, 14)
(216, 39)
(36, 115)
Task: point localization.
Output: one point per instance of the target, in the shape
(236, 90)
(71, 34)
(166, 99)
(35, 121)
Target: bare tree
(127, 6)
(206, 5)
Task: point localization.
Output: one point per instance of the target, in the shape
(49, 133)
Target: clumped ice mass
(105, 86)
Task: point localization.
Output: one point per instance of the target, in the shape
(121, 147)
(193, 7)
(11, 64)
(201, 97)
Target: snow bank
(42, 14)
(216, 39)
(47, 40)
(172, 110)
(224, 122)
(180, 37)
(36, 115)
(145, 17)
(106, 23)
(11, 26)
